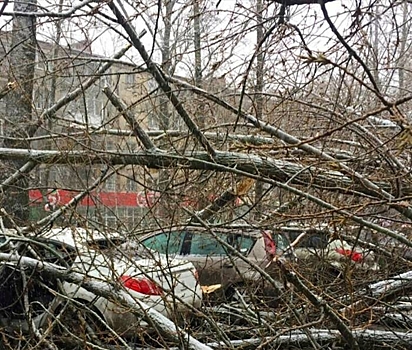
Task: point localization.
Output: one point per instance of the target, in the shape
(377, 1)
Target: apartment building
(85, 124)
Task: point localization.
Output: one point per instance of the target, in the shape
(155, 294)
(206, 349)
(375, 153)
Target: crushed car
(170, 286)
(319, 245)
(224, 257)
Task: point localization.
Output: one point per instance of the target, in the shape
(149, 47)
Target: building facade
(89, 123)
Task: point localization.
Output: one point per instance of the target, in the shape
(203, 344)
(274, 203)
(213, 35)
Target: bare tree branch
(159, 77)
(292, 140)
(130, 119)
(298, 2)
(66, 14)
(111, 292)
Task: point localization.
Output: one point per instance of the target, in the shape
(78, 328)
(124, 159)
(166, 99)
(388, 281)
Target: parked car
(170, 286)
(318, 245)
(216, 263)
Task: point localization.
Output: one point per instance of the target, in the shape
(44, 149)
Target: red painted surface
(109, 199)
(270, 246)
(355, 256)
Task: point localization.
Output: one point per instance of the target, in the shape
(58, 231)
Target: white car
(339, 252)
(315, 246)
(169, 286)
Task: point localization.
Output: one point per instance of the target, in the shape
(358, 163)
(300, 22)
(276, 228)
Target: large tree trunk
(19, 102)
(163, 180)
(232, 162)
(258, 98)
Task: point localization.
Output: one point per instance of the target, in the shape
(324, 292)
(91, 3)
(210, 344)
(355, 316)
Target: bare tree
(285, 117)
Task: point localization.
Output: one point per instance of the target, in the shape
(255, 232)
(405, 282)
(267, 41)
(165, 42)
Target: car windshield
(42, 248)
(312, 239)
(102, 244)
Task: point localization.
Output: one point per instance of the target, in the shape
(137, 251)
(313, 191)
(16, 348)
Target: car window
(49, 250)
(312, 239)
(205, 244)
(166, 242)
(281, 241)
(103, 244)
(3, 243)
(244, 243)
(317, 241)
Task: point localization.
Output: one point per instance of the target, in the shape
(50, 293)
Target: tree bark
(19, 103)
(251, 164)
(384, 291)
(223, 200)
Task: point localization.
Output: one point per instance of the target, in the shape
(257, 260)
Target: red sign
(108, 199)
(143, 199)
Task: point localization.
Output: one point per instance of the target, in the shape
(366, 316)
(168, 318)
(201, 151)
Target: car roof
(73, 236)
(244, 231)
(78, 235)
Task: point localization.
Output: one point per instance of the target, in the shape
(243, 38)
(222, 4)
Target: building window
(130, 79)
(152, 121)
(131, 185)
(110, 218)
(131, 146)
(126, 215)
(110, 146)
(95, 109)
(177, 122)
(110, 184)
(40, 98)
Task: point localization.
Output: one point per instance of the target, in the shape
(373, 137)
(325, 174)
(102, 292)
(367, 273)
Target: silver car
(217, 254)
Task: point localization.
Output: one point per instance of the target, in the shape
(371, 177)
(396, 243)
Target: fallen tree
(252, 164)
(268, 170)
(109, 291)
(368, 338)
(379, 292)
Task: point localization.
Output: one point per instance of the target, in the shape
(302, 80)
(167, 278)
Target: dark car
(215, 253)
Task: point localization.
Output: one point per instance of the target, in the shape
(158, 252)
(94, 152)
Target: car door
(241, 271)
(208, 256)
(216, 263)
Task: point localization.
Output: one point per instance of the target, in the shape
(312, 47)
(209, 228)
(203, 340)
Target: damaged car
(29, 300)
(319, 245)
(225, 258)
